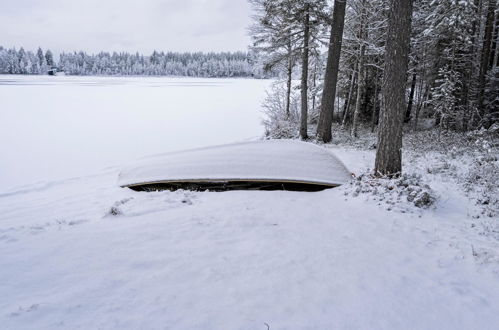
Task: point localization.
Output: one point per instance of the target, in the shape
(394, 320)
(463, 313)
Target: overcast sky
(125, 25)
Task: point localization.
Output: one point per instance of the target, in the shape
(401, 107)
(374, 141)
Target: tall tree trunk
(347, 98)
(492, 97)
(314, 87)
(304, 76)
(471, 72)
(288, 83)
(422, 100)
(486, 50)
(411, 98)
(495, 40)
(423, 91)
(375, 107)
(346, 112)
(360, 90)
(362, 70)
(389, 151)
(495, 62)
(331, 76)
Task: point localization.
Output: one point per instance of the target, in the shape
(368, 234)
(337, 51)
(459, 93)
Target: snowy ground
(241, 260)
(82, 253)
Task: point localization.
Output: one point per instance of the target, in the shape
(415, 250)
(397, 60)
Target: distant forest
(223, 64)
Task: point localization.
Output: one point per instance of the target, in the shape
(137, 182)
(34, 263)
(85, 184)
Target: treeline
(14, 61)
(224, 64)
(450, 73)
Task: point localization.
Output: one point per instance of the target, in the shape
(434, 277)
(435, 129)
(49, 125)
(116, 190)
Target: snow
(238, 260)
(53, 128)
(83, 253)
(277, 160)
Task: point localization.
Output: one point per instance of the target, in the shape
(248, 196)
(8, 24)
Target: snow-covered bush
(397, 193)
(365, 140)
(482, 178)
(470, 159)
(277, 122)
(445, 101)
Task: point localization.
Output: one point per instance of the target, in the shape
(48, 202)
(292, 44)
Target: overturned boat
(259, 165)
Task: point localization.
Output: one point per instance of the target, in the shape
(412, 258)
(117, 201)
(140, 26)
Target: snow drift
(270, 165)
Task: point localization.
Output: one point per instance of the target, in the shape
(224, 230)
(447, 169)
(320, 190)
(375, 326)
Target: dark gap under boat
(231, 185)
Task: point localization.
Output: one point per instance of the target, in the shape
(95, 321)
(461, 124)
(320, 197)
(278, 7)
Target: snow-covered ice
(58, 127)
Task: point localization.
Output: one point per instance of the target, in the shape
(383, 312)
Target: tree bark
(411, 98)
(375, 114)
(389, 151)
(422, 99)
(314, 86)
(288, 84)
(347, 98)
(486, 50)
(331, 75)
(362, 71)
(304, 77)
(495, 40)
(360, 91)
(346, 112)
(469, 84)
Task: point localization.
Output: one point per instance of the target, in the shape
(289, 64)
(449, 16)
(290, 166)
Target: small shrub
(279, 124)
(407, 189)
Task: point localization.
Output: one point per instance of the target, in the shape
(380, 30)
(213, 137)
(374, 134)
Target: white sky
(125, 25)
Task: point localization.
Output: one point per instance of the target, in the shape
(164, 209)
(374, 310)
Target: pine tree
(273, 37)
(361, 65)
(49, 58)
(485, 60)
(389, 150)
(309, 16)
(40, 57)
(331, 76)
(448, 44)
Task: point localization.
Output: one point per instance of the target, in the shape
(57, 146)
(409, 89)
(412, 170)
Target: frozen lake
(58, 127)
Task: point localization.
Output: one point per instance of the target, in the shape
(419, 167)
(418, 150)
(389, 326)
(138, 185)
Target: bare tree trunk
(495, 40)
(331, 76)
(486, 50)
(362, 71)
(375, 112)
(304, 77)
(347, 98)
(420, 104)
(496, 62)
(492, 106)
(288, 84)
(346, 112)
(337, 104)
(389, 151)
(360, 91)
(471, 72)
(314, 86)
(411, 98)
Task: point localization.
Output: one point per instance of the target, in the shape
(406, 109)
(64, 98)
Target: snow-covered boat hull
(266, 165)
